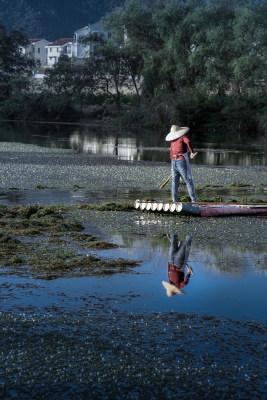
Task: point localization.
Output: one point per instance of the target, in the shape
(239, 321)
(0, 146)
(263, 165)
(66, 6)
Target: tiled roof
(61, 42)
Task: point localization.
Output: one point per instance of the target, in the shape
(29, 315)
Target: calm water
(213, 149)
(227, 281)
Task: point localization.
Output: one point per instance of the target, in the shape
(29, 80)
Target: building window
(46, 50)
(57, 49)
(39, 50)
(50, 49)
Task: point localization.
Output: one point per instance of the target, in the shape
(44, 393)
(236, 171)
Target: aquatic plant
(61, 247)
(109, 206)
(238, 185)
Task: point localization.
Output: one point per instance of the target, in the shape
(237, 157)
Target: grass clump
(238, 185)
(15, 260)
(108, 206)
(62, 246)
(98, 244)
(70, 262)
(5, 238)
(82, 237)
(76, 187)
(212, 186)
(42, 187)
(253, 200)
(3, 210)
(185, 199)
(228, 201)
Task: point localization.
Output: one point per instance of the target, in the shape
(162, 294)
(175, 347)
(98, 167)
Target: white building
(58, 48)
(80, 50)
(36, 49)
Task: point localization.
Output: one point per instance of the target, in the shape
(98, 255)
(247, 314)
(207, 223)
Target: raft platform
(202, 209)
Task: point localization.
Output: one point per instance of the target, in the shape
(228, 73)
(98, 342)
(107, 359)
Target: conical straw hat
(176, 132)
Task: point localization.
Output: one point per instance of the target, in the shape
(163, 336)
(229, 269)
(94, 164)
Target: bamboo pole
(165, 183)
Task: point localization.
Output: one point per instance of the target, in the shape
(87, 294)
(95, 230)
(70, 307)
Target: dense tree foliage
(113, 65)
(19, 99)
(68, 78)
(201, 63)
(15, 68)
(197, 58)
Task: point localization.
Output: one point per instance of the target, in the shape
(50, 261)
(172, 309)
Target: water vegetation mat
(46, 242)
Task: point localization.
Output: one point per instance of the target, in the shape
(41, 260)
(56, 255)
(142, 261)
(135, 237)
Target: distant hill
(53, 19)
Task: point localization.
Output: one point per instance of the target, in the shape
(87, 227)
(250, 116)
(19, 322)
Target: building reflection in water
(179, 272)
(123, 148)
(139, 148)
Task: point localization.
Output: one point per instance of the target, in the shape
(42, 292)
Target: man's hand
(192, 155)
(190, 270)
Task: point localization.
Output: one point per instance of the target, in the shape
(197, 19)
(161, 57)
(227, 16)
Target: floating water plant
(237, 185)
(76, 187)
(108, 206)
(42, 187)
(62, 248)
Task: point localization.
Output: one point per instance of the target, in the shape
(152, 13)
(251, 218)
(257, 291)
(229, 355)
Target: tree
(107, 66)
(15, 68)
(128, 50)
(59, 78)
(68, 79)
(197, 55)
(250, 33)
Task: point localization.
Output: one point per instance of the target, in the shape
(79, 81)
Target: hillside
(53, 19)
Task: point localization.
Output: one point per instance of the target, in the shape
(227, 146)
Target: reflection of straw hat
(172, 290)
(176, 132)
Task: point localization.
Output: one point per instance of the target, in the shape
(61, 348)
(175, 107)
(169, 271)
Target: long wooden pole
(165, 183)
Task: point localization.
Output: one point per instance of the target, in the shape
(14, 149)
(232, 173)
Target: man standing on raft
(180, 166)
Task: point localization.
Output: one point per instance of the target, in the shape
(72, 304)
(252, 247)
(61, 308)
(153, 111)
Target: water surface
(138, 144)
(227, 282)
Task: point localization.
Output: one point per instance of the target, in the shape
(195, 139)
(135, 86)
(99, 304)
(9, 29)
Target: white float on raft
(202, 209)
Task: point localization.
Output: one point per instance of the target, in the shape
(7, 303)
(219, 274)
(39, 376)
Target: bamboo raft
(202, 209)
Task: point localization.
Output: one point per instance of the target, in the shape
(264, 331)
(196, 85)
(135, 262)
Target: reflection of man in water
(178, 257)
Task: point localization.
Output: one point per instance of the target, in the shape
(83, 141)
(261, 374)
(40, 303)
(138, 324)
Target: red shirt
(180, 146)
(177, 277)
